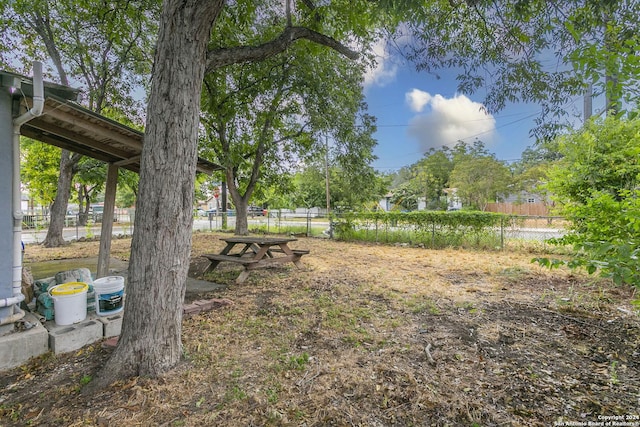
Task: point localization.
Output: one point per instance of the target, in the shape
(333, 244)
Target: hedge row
(434, 229)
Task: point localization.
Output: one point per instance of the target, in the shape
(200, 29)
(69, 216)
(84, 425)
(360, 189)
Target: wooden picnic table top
(261, 241)
(258, 252)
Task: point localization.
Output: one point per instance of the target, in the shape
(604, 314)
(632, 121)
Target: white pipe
(38, 97)
(35, 111)
(16, 299)
(15, 317)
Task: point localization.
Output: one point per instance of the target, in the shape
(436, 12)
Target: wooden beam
(81, 139)
(124, 162)
(96, 127)
(75, 147)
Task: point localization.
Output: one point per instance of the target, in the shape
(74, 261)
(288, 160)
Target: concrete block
(18, 347)
(111, 325)
(63, 339)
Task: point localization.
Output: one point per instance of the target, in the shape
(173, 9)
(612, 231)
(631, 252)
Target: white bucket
(109, 293)
(69, 302)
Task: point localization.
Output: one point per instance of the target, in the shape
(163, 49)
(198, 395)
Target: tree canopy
(547, 53)
(595, 186)
(103, 47)
(477, 176)
(263, 119)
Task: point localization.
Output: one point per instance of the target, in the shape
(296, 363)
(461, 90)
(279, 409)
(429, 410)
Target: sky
(416, 111)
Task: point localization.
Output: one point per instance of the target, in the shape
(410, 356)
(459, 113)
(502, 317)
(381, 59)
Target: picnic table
(256, 252)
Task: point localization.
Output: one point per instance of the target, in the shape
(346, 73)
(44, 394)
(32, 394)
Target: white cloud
(448, 120)
(417, 99)
(384, 70)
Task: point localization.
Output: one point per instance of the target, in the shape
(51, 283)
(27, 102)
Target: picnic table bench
(256, 252)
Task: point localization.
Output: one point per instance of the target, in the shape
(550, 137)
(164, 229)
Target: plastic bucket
(69, 302)
(109, 293)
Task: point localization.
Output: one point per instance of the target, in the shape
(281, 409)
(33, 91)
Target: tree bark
(58, 212)
(233, 55)
(150, 342)
(240, 202)
(83, 208)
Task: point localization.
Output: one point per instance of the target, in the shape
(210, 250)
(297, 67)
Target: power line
(529, 114)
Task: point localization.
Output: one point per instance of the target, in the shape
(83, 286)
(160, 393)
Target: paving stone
(110, 342)
(204, 304)
(190, 310)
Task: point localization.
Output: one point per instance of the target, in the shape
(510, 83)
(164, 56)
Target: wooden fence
(529, 209)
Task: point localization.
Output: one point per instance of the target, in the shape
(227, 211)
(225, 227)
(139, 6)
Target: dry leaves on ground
(369, 335)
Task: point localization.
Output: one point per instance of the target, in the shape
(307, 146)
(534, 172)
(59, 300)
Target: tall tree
(349, 187)
(150, 342)
(40, 174)
(478, 176)
(310, 186)
(429, 177)
(39, 170)
(89, 181)
(104, 46)
(260, 119)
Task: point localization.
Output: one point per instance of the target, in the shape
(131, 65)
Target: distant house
(453, 201)
(385, 202)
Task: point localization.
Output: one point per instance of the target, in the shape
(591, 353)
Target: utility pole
(588, 103)
(223, 195)
(326, 168)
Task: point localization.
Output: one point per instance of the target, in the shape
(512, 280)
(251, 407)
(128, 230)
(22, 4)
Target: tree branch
(222, 57)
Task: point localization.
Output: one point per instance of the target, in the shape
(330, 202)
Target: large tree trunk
(59, 208)
(240, 202)
(84, 204)
(150, 342)
(242, 224)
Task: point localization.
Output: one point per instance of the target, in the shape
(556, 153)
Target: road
(272, 224)
(120, 228)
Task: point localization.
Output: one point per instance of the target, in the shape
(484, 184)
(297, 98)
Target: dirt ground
(366, 335)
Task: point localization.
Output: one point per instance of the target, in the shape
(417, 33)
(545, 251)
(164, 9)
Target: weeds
(420, 304)
(613, 372)
(13, 412)
(298, 363)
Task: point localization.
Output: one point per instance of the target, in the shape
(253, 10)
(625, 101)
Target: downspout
(35, 111)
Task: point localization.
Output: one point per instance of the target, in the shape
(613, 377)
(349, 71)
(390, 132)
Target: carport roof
(70, 126)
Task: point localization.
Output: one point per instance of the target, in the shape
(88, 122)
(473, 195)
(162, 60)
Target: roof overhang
(67, 125)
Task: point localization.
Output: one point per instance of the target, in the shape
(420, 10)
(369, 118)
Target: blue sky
(416, 111)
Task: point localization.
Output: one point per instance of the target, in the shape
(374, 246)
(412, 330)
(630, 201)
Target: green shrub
(434, 229)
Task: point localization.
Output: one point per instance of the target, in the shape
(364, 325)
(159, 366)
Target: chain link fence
(509, 231)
